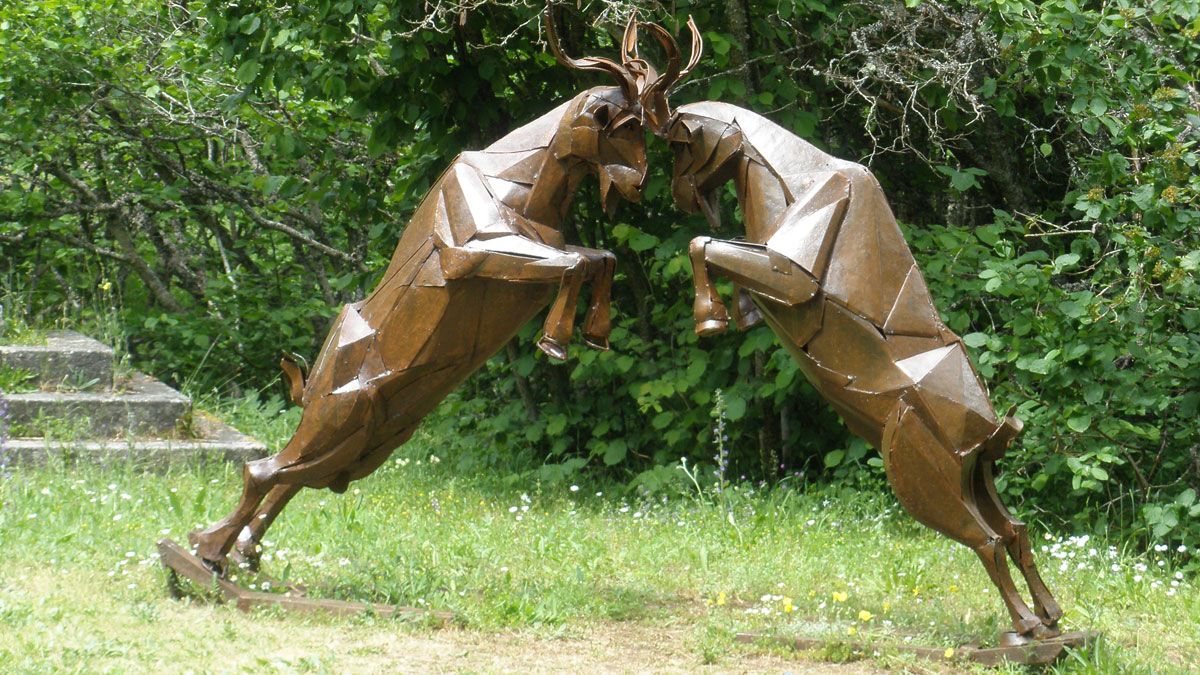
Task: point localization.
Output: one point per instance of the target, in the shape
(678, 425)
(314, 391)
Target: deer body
(826, 266)
(482, 255)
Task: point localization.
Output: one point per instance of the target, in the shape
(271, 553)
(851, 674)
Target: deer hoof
(197, 541)
(596, 342)
(552, 348)
(711, 327)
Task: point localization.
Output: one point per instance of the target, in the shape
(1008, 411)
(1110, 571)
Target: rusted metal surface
(180, 561)
(1036, 652)
(827, 268)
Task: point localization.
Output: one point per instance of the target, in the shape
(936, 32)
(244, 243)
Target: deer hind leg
(1016, 537)
(211, 545)
(934, 486)
(251, 536)
(754, 268)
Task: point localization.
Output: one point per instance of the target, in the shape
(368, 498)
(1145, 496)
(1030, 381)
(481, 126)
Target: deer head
(606, 130)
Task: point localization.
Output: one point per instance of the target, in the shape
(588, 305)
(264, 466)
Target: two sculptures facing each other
(823, 263)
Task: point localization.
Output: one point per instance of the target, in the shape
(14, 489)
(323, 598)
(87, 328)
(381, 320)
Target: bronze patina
(825, 265)
(482, 255)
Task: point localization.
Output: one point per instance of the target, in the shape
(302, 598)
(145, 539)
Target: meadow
(520, 562)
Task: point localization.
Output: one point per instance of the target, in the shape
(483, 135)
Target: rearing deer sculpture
(481, 256)
(826, 266)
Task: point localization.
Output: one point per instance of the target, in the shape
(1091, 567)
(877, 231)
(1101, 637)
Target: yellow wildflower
(949, 653)
(839, 596)
(887, 606)
(788, 607)
(721, 599)
(864, 615)
(852, 630)
(953, 588)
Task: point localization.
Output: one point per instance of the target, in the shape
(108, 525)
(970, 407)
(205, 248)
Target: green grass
(81, 589)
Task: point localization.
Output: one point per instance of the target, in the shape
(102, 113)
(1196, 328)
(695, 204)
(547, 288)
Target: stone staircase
(70, 405)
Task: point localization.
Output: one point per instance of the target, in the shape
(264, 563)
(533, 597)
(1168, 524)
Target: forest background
(216, 179)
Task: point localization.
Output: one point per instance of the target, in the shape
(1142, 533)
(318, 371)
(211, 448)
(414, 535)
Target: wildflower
(434, 459)
(953, 588)
(525, 498)
(1137, 577)
(864, 615)
(839, 596)
(1181, 549)
(1115, 567)
(574, 488)
(116, 517)
(1170, 591)
(887, 606)
(512, 509)
(1159, 548)
(949, 653)
(721, 599)
(788, 607)
(1179, 576)
(852, 630)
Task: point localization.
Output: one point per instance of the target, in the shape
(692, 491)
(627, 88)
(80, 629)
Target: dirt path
(602, 648)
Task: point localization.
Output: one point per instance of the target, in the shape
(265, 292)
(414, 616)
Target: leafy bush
(225, 175)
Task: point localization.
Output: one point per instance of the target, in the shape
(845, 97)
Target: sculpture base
(1038, 652)
(181, 563)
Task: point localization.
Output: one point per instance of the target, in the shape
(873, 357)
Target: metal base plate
(180, 561)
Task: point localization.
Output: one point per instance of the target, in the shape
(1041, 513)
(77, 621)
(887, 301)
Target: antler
(654, 93)
(622, 73)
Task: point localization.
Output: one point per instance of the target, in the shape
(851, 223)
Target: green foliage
(223, 176)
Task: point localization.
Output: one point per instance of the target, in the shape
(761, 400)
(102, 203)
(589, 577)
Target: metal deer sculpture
(826, 266)
(482, 255)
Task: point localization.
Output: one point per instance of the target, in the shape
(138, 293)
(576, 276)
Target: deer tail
(294, 377)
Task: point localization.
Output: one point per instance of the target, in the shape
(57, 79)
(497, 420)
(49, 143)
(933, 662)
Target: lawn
(670, 578)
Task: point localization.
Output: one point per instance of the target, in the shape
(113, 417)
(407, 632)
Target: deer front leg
(754, 268)
(601, 265)
(521, 260)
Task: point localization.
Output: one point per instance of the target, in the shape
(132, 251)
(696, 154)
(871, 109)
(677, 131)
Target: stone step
(142, 406)
(215, 441)
(66, 359)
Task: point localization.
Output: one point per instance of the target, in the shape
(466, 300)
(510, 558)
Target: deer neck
(550, 195)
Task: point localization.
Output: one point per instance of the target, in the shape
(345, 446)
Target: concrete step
(215, 441)
(141, 406)
(65, 360)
